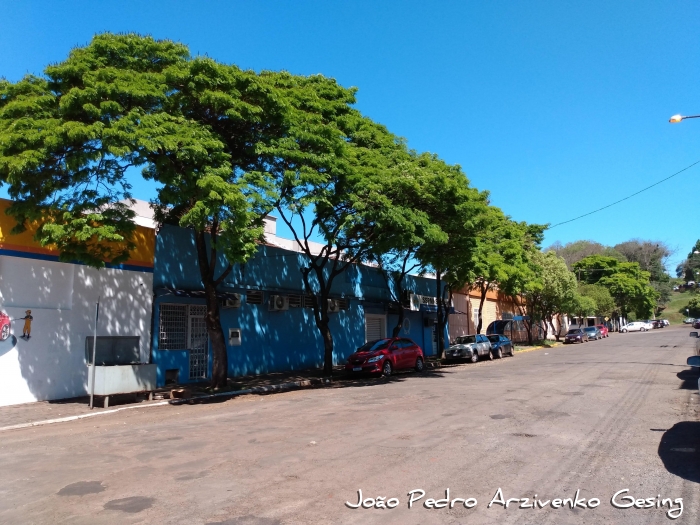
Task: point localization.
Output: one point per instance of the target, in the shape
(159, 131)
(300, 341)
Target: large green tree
(409, 184)
(125, 101)
(225, 146)
(461, 213)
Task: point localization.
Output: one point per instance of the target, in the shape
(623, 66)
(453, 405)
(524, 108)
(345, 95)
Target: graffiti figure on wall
(27, 330)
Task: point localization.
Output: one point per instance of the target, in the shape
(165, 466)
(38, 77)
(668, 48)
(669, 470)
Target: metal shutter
(373, 328)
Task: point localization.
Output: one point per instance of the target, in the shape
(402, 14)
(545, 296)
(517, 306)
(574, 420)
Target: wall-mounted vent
(308, 301)
(254, 297)
(296, 301)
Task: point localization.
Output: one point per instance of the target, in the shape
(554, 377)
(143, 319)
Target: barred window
(173, 327)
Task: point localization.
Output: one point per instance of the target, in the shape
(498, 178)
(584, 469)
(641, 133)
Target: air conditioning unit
(278, 303)
(333, 306)
(232, 301)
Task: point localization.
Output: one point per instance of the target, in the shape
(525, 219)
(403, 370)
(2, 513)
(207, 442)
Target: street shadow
(689, 379)
(679, 450)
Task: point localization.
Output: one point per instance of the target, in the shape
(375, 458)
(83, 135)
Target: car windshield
(372, 346)
(465, 340)
(590, 329)
(573, 332)
(494, 338)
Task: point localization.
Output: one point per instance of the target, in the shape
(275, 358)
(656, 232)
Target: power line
(624, 199)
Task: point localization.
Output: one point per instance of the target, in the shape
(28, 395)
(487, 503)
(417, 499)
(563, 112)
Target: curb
(81, 416)
(255, 390)
(193, 400)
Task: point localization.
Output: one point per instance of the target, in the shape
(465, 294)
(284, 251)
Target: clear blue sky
(556, 108)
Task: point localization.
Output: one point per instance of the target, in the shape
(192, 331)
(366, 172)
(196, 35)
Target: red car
(383, 356)
(603, 330)
(4, 326)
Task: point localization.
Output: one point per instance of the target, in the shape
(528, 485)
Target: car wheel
(5, 332)
(499, 353)
(643, 330)
(419, 364)
(623, 331)
(490, 355)
(387, 368)
(475, 356)
(512, 351)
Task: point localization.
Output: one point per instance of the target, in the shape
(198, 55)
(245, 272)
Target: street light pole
(675, 119)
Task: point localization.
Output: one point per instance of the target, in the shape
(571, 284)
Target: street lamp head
(675, 119)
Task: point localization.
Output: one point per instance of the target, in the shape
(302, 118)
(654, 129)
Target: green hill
(674, 311)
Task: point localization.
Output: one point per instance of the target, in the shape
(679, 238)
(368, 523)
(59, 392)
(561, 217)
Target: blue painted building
(265, 315)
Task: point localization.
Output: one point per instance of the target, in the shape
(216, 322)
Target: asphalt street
(600, 417)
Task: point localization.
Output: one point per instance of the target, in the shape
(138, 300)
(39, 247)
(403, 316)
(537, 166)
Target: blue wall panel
(276, 341)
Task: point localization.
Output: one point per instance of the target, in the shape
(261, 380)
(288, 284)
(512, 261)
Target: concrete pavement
(600, 417)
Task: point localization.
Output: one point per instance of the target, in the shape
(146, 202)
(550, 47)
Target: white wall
(62, 297)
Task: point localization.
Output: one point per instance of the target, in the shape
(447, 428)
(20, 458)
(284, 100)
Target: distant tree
(551, 291)
(651, 256)
(690, 267)
(575, 251)
(604, 305)
(693, 308)
(582, 306)
(499, 257)
(627, 283)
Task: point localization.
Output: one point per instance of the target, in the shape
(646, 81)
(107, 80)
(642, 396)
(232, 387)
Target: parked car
(696, 323)
(383, 356)
(576, 335)
(636, 326)
(603, 330)
(4, 326)
(665, 322)
(500, 345)
(689, 320)
(655, 323)
(471, 347)
(593, 332)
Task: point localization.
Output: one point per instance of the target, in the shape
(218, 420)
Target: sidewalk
(44, 410)
(280, 381)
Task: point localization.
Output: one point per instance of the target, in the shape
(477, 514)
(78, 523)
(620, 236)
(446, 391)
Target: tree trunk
(320, 309)
(440, 325)
(484, 288)
(212, 320)
(219, 373)
(399, 323)
(327, 347)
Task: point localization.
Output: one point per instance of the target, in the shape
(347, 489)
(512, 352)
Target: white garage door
(375, 327)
